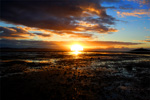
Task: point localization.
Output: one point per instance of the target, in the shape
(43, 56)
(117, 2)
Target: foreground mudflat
(63, 76)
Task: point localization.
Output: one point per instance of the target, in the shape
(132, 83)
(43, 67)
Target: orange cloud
(147, 36)
(146, 40)
(86, 24)
(41, 34)
(136, 13)
(142, 2)
(78, 15)
(20, 33)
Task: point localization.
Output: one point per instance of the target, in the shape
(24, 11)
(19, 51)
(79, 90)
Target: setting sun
(76, 48)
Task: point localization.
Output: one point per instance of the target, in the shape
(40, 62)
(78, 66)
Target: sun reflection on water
(76, 48)
(76, 52)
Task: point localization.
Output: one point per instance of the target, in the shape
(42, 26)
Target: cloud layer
(146, 40)
(58, 15)
(45, 19)
(135, 13)
(19, 33)
(65, 44)
(24, 33)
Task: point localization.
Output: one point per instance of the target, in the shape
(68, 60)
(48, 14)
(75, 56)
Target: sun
(76, 48)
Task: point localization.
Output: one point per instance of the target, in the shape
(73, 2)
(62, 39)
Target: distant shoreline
(140, 51)
(137, 51)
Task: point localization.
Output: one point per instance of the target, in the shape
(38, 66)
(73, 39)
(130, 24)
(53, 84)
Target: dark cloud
(28, 44)
(57, 15)
(24, 33)
(19, 33)
(42, 35)
(60, 44)
(14, 33)
(109, 43)
(148, 40)
(126, 7)
(80, 35)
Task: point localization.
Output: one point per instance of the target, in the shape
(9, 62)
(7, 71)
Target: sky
(58, 24)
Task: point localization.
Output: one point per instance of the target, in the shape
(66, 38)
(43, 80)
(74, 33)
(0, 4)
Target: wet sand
(90, 76)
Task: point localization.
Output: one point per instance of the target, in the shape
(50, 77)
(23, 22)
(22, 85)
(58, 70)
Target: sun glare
(76, 48)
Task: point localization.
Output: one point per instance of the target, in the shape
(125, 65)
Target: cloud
(108, 43)
(19, 33)
(58, 15)
(141, 2)
(146, 40)
(41, 35)
(14, 33)
(146, 29)
(64, 44)
(80, 35)
(135, 13)
(75, 18)
(147, 36)
(34, 33)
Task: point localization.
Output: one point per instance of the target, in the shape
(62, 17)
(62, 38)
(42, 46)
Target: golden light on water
(76, 52)
(76, 48)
